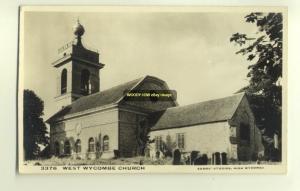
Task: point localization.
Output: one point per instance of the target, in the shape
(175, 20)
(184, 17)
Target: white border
(10, 180)
(252, 169)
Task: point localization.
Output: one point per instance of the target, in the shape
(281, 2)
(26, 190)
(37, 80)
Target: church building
(92, 123)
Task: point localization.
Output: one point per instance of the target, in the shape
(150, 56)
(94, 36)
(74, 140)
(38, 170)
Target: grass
(54, 161)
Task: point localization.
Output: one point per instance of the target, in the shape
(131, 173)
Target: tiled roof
(198, 113)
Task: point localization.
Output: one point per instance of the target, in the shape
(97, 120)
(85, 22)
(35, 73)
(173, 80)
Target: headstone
(198, 161)
(176, 157)
(141, 162)
(204, 159)
(157, 154)
(224, 158)
(194, 155)
(218, 158)
(188, 160)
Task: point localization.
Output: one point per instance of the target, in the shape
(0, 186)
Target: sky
(189, 50)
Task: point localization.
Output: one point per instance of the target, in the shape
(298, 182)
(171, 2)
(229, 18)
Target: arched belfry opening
(63, 82)
(78, 70)
(85, 82)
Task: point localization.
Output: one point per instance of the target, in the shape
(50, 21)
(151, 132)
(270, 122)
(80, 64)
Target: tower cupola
(78, 30)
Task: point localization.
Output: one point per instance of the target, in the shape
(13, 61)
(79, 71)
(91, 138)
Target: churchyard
(55, 161)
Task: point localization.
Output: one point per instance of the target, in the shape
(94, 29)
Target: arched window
(105, 143)
(78, 146)
(180, 140)
(63, 81)
(67, 148)
(56, 148)
(91, 145)
(158, 143)
(85, 82)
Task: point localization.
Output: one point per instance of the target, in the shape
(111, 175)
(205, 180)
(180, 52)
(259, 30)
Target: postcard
(152, 89)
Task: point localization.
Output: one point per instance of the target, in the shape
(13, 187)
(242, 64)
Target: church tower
(77, 70)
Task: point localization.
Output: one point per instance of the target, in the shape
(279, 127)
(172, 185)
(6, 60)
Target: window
(63, 82)
(105, 143)
(232, 137)
(232, 131)
(158, 143)
(78, 146)
(85, 82)
(91, 145)
(67, 147)
(180, 140)
(245, 132)
(56, 148)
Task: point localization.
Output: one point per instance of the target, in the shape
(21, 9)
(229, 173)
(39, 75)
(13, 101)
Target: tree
(143, 138)
(264, 51)
(35, 131)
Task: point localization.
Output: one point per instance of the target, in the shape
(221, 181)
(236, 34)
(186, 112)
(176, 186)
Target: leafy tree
(35, 131)
(143, 138)
(264, 51)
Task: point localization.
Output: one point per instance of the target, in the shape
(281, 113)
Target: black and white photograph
(152, 89)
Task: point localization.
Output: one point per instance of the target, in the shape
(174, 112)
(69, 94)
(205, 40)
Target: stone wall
(243, 114)
(128, 128)
(220, 136)
(85, 127)
(206, 138)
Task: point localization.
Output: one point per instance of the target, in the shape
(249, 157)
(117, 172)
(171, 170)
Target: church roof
(105, 97)
(198, 113)
(109, 96)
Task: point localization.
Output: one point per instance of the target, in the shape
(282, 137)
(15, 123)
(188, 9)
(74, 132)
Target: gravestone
(198, 161)
(194, 155)
(218, 158)
(224, 158)
(157, 155)
(188, 160)
(176, 157)
(204, 160)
